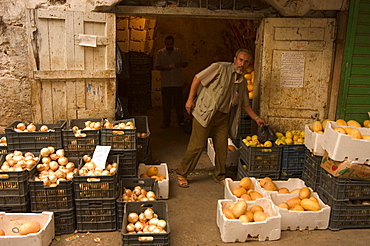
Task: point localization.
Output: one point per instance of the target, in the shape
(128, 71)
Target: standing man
(170, 60)
(217, 96)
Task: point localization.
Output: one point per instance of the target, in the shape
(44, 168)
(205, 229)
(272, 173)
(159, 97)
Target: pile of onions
(16, 161)
(91, 169)
(3, 141)
(138, 194)
(145, 222)
(23, 127)
(54, 167)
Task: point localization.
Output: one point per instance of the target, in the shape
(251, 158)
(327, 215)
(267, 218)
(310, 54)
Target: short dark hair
(168, 37)
(244, 50)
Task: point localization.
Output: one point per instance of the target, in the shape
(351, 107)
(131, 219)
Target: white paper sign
(292, 69)
(87, 40)
(100, 155)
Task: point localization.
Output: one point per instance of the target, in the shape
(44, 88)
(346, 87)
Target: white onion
(53, 178)
(133, 217)
(31, 127)
(44, 128)
(21, 126)
(45, 152)
(139, 226)
(63, 160)
(153, 221)
(45, 160)
(54, 165)
(9, 156)
(90, 166)
(130, 227)
(70, 166)
(151, 194)
(60, 152)
(142, 217)
(51, 149)
(17, 158)
(86, 158)
(151, 228)
(162, 224)
(69, 176)
(53, 156)
(149, 213)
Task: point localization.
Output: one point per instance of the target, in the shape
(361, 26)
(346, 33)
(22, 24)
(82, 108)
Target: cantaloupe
(239, 208)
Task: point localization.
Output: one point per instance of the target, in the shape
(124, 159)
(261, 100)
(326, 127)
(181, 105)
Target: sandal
(221, 182)
(182, 181)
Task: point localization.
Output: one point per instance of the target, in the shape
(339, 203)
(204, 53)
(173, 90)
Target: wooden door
(294, 59)
(72, 55)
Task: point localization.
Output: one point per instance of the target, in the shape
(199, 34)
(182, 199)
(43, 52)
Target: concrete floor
(192, 211)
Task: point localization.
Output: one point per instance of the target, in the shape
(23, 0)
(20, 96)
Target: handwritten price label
(100, 155)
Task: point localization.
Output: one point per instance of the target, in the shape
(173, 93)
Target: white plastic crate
(230, 185)
(302, 220)
(163, 185)
(313, 141)
(341, 146)
(232, 156)
(290, 184)
(9, 222)
(233, 230)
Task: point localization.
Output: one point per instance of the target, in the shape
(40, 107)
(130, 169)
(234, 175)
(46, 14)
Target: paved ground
(192, 211)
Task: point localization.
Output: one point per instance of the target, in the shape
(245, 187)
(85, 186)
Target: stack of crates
(95, 200)
(292, 162)
(245, 126)
(58, 199)
(131, 183)
(14, 190)
(3, 145)
(311, 169)
(259, 162)
(348, 200)
(143, 139)
(75, 145)
(123, 144)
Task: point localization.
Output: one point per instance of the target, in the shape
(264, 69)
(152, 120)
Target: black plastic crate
(261, 161)
(143, 138)
(3, 148)
(131, 183)
(80, 146)
(292, 161)
(13, 200)
(242, 172)
(93, 187)
(14, 183)
(127, 166)
(311, 169)
(96, 215)
(161, 209)
(19, 208)
(34, 141)
(64, 221)
(144, 150)
(343, 188)
(346, 214)
(119, 139)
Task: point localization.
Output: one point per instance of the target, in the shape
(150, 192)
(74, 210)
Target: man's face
(169, 44)
(241, 62)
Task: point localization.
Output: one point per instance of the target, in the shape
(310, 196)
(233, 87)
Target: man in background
(169, 62)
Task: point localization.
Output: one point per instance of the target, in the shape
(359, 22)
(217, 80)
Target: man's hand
(189, 106)
(260, 122)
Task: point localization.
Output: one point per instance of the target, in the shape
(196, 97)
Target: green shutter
(354, 95)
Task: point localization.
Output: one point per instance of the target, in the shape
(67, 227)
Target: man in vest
(217, 96)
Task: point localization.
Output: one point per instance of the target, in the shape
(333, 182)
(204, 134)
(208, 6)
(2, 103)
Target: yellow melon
(152, 171)
(366, 137)
(248, 76)
(341, 122)
(354, 133)
(367, 123)
(317, 126)
(340, 130)
(353, 123)
(324, 123)
(246, 183)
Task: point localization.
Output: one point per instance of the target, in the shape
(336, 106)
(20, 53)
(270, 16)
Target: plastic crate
(345, 215)
(96, 215)
(79, 146)
(34, 141)
(161, 209)
(311, 170)
(242, 172)
(119, 142)
(92, 187)
(261, 161)
(127, 166)
(3, 149)
(144, 150)
(14, 183)
(131, 183)
(343, 188)
(292, 161)
(19, 208)
(65, 221)
(50, 198)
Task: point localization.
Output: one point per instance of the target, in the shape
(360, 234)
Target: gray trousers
(218, 131)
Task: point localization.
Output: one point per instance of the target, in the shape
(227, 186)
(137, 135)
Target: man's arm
(190, 104)
(248, 109)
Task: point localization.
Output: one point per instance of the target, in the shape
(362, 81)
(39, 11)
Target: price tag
(100, 155)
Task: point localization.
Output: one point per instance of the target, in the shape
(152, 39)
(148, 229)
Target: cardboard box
(142, 23)
(144, 47)
(163, 185)
(302, 220)
(123, 36)
(122, 23)
(313, 141)
(290, 184)
(233, 230)
(232, 156)
(156, 99)
(124, 46)
(346, 169)
(342, 147)
(10, 222)
(156, 76)
(230, 185)
(139, 35)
